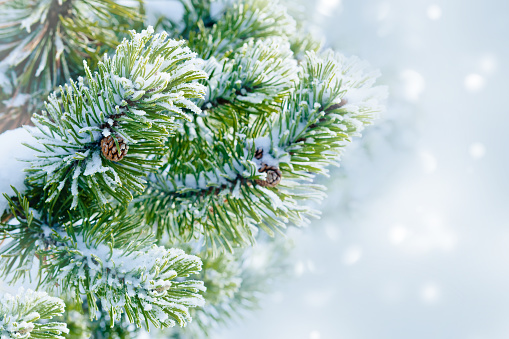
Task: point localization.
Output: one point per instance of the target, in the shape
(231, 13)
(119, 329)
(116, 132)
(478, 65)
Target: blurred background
(414, 237)
(413, 242)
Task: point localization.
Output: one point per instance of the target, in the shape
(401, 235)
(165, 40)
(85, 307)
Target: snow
(260, 71)
(13, 310)
(191, 181)
(94, 165)
(265, 144)
(11, 168)
(141, 272)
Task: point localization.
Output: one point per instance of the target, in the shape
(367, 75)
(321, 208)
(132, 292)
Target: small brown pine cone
(259, 153)
(110, 151)
(273, 177)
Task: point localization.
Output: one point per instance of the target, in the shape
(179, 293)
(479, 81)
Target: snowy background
(414, 238)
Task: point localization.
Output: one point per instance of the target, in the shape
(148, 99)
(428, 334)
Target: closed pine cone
(273, 177)
(110, 151)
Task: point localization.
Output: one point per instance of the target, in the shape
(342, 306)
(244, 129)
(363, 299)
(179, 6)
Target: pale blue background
(414, 239)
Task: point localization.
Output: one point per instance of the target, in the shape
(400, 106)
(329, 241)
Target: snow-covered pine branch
(108, 259)
(43, 44)
(131, 101)
(21, 315)
(44, 41)
(333, 101)
(213, 184)
(252, 80)
(218, 195)
(81, 327)
(145, 284)
(244, 20)
(237, 283)
(276, 112)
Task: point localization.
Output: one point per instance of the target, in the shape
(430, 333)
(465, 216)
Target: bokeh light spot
(477, 150)
(488, 63)
(299, 268)
(413, 83)
(428, 161)
(430, 293)
(434, 12)
(352, 255)
(474, 82)
(397, 234)
(326, 7)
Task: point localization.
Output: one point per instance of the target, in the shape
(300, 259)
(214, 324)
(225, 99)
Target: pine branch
(333, 102)
(81, 327)
(270, 123)
(213, 185)
(145, 284)
(245, 20)
(236, 284)
(132, 99)
(20, 315)
(219, 197)
(253, 80)
(106, 258)
(45, 41)
(43, 44)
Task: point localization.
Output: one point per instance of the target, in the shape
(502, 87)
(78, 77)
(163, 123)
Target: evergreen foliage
(219, 123)
(43, 44)
(237, 283)
(20, 315)
(105, 257)
(135, 96)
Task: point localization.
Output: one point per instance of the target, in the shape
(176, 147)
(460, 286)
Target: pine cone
(259, 153)
(110, 151)
(273, 177)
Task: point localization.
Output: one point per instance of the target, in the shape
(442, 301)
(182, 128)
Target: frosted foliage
(43, 42)
(147, 82)
(260, 71)
(333, 101)
(292, 117)
(12, 165)
(242, 21)
(224, 177)
(19, 315)
(148, 280)
(262, 15)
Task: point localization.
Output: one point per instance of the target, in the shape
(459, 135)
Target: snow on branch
(219, 197)
(250, 19)
(221, 185)
(108, 259)
(254, 79)
(145, 284)
(133, 99)
(20, 315)
(333, 101)
(42, 42)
